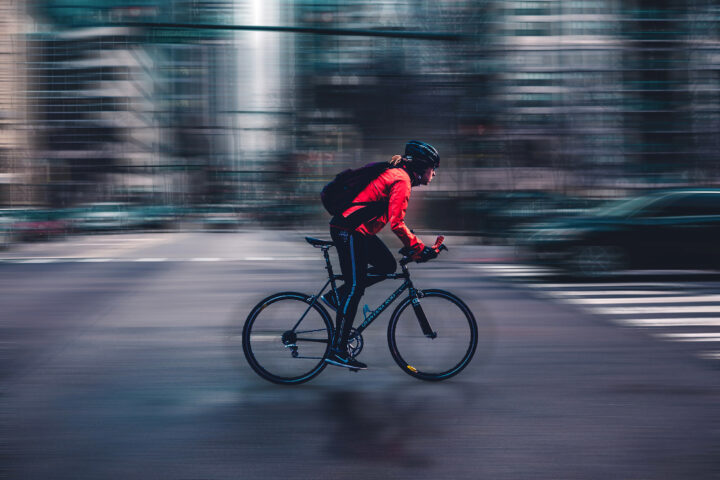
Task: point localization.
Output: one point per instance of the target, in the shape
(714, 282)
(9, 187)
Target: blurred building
(607, 94)
(262, 75)
(19, 176)
(124, 112)
(581, 97)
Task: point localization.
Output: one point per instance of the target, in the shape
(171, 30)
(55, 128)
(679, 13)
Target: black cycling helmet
(421, 155)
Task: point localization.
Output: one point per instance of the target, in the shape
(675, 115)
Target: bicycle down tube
(422, 319)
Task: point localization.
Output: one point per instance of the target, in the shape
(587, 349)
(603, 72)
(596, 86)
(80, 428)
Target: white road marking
(644, 300)
(600, 285)
(621, 301)
(149, 259)
(510, 268)
(651, 310)
(710, 355)
(265, 338)
(670, 322)
(512, 272)
(607, 293)
(691, 337)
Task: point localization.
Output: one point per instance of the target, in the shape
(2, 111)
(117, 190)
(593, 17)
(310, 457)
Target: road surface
(121, 359)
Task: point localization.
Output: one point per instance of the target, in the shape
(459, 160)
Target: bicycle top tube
(391, 276)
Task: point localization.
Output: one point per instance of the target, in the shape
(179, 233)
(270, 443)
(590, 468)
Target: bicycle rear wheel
(277, 350)
(443, 356)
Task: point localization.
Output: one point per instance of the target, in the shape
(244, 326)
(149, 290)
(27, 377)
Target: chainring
(355, 343)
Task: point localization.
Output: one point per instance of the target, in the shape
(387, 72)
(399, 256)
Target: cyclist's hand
(407, 251)
(425, 254)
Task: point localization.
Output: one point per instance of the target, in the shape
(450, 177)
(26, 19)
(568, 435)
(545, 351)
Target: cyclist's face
(427, 176)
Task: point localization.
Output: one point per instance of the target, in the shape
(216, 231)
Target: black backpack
(338, 195)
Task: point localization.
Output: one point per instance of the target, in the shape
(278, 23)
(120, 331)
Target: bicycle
(432, 334)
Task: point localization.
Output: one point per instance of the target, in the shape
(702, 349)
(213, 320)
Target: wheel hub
(289, 338)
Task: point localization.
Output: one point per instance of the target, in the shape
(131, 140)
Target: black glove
(406, 251)
(424, 255)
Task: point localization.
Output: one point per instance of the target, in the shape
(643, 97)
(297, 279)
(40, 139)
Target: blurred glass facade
(153, 102)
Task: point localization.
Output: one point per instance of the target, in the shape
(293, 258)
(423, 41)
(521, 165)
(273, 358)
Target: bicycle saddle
(316, 242)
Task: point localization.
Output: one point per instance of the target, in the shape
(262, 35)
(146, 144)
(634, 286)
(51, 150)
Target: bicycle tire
(263, 338)
(438, 358)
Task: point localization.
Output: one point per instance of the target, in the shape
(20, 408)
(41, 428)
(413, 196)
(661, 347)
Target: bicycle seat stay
(317, 243)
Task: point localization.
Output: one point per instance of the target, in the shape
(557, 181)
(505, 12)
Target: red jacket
(393, 185)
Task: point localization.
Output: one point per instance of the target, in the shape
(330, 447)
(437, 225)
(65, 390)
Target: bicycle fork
(420, 314)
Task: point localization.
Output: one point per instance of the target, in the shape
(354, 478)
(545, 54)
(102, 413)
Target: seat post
(328, 267)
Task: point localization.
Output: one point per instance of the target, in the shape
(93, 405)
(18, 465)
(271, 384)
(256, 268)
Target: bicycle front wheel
(450, 347)
(286, 338)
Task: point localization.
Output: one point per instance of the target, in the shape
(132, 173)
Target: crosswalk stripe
(669, 322)
(644, 300)
(622, 302)
(710, 355)
(541, 286)
(647, 310)
(606, 293)
(691, 337)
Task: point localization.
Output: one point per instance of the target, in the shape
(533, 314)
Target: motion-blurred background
(135, 114)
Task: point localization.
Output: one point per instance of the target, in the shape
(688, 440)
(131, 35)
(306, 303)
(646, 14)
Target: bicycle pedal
(354, 369)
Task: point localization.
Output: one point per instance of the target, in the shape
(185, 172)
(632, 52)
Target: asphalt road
(120, 358)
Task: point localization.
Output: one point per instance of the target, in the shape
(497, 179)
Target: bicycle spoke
(270, 341)
(311, 331)
(433, 356)
(316, 340)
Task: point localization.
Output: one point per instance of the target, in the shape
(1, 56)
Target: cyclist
(354, 231)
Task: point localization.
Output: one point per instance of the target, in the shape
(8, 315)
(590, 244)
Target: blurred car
(6, 231)
(662, 230)
(498, 214)
(156, 216)
(218, 216)
(104, 216)
(526, 208)
(29, 224)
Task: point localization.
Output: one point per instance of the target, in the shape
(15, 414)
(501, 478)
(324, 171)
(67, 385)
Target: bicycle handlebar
(438, 247)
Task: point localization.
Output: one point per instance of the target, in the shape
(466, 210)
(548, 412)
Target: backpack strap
(370, 211)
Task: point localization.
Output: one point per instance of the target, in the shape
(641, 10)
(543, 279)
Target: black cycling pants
(356, 252)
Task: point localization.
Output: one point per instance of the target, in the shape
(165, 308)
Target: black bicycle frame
(407, 284)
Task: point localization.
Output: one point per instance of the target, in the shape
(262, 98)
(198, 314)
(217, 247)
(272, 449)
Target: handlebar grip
(438, 247)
